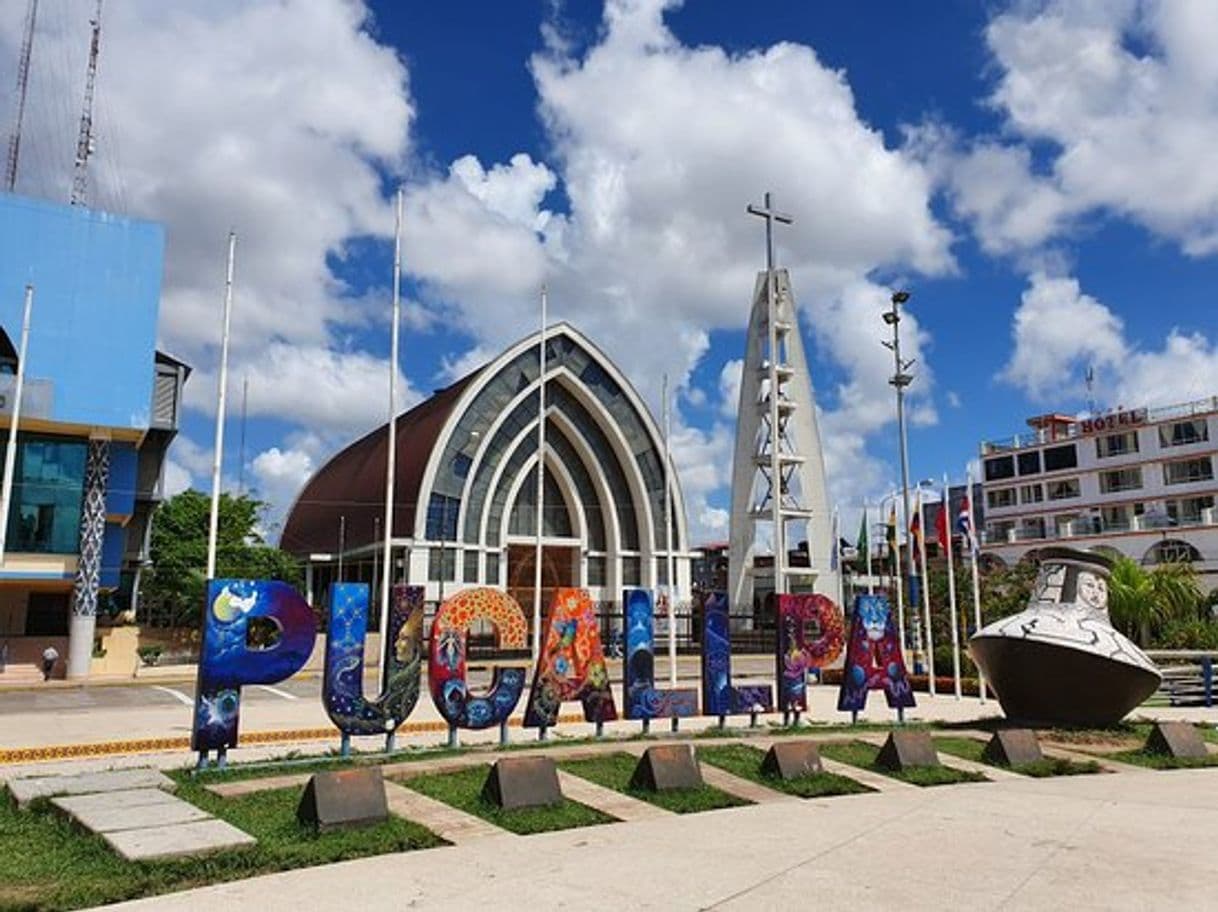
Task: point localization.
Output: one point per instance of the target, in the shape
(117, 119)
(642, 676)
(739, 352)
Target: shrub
(149, 655)
(1189, 635)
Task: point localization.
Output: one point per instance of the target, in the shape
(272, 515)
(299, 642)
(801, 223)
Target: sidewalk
(1085, 842)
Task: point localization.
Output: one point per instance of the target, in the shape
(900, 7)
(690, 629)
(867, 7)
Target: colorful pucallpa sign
(230, 658)
(810, 636)
(571, 665)
(720, 697)
(643, 699)
(446, 667)
(343, 686)
(873, 658)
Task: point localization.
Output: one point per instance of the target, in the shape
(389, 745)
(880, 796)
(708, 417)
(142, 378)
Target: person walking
(50, 656)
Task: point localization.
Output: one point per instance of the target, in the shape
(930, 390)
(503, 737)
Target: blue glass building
(99, 409)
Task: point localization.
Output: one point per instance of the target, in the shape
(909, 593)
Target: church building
(465, 490)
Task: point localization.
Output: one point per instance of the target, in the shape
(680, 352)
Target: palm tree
(1141, 600)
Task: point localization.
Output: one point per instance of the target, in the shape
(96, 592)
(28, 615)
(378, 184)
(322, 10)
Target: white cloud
(1118, 98)
(278, 476)
(729, 387)
(1058, 332)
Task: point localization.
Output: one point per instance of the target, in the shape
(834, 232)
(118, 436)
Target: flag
(891, 537)
(837, 544)
(864, 545)
(941, 522)
(915, 530)
(964, 525)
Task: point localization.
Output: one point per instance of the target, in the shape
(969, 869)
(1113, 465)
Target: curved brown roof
(351, 486)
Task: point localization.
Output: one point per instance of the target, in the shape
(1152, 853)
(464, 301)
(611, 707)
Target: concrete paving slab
(606, 800)
(872, 780)
(25, 790)
(741, 787)
(200, 837)
(447, 822)
(100, 817)
(129, 798)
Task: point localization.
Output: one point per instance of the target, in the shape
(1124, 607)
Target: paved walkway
(1080, 842)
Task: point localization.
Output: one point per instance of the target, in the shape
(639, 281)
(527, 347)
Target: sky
(1037, 175)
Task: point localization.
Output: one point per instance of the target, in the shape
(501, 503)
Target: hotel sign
(1113, 421)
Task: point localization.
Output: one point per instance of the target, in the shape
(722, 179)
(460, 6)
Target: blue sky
(1037, 176)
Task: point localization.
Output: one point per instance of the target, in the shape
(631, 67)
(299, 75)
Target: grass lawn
(744, 761)
(863, 755)
(614, 771)
(972, 749)
(463, 790)
(1143, 757)
(48, 863)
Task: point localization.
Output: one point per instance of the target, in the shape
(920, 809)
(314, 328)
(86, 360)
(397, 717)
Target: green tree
(1143, 602)
(174, 590)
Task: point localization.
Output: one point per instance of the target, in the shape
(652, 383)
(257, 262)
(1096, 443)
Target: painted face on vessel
(1092, 591)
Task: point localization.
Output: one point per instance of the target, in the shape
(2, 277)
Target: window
(1065, 524)
(598, 570)
(998, 531)
(1062, 489)
(1188, 510)
(1032, 528)
(1003, 497)
(1170, 551)
(442, 564)
(1116, 444)
(1121, 480)
(461, 464)
(1062, 457)
(1029, 463)
(1182, 433)
(632, 571)
(48, 484)
(1032, 493)
(492, 569)
(1114, 519)
(1188, 470)
(442, 517)
(469, 570)
(1000, 467)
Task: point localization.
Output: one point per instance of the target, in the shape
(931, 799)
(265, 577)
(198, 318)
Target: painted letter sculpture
(343, 687)
(809, 637)
(643, 699)
(446, 667)
(571, 665)
(227, 661)
(873, 659)
(1060, 660)
(719, 696)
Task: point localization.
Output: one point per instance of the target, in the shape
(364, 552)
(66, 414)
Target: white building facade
(1139, 481)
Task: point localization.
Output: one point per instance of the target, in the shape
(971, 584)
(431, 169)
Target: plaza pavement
(1140, 840)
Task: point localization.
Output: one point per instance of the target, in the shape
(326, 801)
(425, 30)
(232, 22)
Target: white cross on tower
(771, 216)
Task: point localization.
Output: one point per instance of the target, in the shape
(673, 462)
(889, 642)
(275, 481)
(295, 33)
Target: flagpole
(541, 490)
(213, 522)
(930, 638)
(837, 551)
(867, 531)
(392, 448)
(10, 450)
(974, 555)
(896, 562)
(672, 588)
(945, 512)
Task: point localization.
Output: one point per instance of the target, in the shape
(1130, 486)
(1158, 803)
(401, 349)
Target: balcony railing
(1088, 527)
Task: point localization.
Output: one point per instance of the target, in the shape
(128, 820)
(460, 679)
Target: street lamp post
(899, 381)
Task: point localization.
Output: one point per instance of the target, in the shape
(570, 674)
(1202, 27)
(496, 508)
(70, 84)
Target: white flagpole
(218, 454)
(841, 564)
(867, 531)
(10, 450)
(541, 462)
(896, 558)
(951, 585)
(974, 555)
(930, 638)
(391, 451)
(672, 586)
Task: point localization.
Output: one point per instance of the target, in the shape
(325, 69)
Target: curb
(51, 752)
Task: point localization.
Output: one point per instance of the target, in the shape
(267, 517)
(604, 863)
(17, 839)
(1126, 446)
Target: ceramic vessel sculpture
(1060, 660)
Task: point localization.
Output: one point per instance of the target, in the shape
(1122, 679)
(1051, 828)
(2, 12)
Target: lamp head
(900, 297)
(891, 317)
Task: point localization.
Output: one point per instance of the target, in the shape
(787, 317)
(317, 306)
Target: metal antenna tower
(84, 139)
(23, 84)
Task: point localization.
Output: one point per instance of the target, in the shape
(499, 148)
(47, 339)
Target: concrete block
(196, 838)
(519, 782)
(669, 766)
(25, 790)
(347, 798)
(1177, 739)
(907, 749)
(133, 810)
(1013, 746)
(792, 759)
